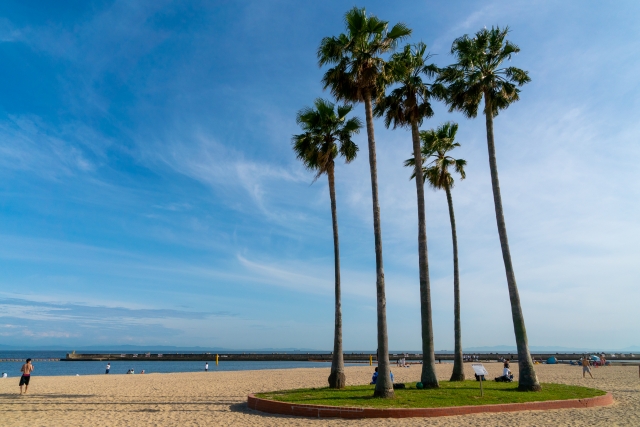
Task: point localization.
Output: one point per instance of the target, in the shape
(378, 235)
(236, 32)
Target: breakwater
(323, 357)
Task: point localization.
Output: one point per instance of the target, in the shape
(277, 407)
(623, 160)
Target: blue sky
(149, 194)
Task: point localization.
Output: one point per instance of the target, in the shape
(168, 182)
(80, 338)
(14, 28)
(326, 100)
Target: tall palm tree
(478, 74)
(436, 143)
(356, 77)
(407, 105)
(323, 127)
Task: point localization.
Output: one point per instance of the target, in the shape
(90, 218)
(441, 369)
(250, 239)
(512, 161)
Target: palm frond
(459, 167)
(517, 75)
(348, 150)
(355, 20)
(353, 125)
(399, 32)
(343, 110)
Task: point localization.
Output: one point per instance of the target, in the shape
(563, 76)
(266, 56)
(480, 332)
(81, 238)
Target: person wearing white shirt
(506, 374)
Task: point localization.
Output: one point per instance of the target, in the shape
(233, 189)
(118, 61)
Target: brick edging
(320, 411)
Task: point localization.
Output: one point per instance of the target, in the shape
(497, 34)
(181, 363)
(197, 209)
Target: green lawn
(449, 394)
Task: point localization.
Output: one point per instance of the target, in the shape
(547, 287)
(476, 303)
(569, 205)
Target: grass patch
(459, 393)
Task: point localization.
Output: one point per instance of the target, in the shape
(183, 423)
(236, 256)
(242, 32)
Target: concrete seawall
(319, 357)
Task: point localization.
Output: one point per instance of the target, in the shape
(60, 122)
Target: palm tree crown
(323, 126)
(409, 102)
(436, 143)
(478, 71)
(356, 55)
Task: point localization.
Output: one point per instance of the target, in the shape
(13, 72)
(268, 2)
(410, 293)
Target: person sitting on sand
(374, 378)
(585, 367)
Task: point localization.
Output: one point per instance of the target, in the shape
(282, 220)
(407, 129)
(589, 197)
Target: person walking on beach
(26, 370)
(206, 367)
(585, 367)
(108, 368)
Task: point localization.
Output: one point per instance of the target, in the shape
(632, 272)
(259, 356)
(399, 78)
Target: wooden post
(371, 361)
(216, 360)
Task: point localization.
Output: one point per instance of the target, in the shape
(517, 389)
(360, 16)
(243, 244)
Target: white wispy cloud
(8, 32)
(27, 144)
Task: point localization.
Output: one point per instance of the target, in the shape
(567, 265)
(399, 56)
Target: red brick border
(319, 411)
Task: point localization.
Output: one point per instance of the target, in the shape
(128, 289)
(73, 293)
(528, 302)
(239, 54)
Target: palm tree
(435, 146)
(323, 126)
(356, 77)
(478, 74)
(407, 105)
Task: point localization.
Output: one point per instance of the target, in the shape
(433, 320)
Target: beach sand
(219, 399)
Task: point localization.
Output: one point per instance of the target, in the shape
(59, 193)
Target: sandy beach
(219, 399)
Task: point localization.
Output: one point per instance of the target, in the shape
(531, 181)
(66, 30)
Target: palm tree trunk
(337, 378)
(458, 363)
(527, 375)
(428, 376)
(384, 386)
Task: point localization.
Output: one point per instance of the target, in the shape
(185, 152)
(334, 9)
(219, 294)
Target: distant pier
(322, 357)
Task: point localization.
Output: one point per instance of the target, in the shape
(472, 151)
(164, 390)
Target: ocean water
(121, 367)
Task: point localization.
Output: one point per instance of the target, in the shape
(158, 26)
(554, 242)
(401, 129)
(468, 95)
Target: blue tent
(552, 361)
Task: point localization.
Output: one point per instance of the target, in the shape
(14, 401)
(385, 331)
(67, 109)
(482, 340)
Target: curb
(319, 411)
